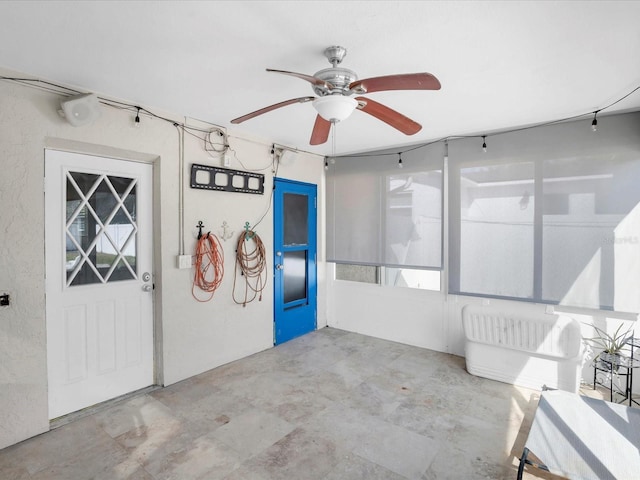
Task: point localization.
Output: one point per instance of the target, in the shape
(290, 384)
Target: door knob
(279, 267)
(147, 288)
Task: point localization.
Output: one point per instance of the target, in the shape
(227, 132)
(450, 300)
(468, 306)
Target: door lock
(146, 276)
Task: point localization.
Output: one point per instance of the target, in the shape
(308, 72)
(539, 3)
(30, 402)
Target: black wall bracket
(225, 179)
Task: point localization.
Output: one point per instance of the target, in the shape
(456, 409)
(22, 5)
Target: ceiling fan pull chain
(333, 140)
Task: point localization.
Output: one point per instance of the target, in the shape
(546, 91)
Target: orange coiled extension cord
(209, 266)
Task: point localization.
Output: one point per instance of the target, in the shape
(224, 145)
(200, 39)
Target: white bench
(526, 349)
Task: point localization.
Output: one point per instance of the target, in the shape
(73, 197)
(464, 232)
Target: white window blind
(550, 214)
(496, 229)
(379, 214)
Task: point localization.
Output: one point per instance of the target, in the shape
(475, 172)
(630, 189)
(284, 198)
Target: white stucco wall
(192, 336)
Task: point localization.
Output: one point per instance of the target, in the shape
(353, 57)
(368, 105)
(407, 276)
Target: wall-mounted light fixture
(80, 110)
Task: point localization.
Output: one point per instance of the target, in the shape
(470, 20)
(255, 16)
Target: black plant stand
(633, 343)
(615, 365)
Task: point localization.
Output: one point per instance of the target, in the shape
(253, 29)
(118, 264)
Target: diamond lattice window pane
(103, 201)
(121, 184)
(85, 182)
(86, 274)
(76, 183)
(72, 206)
(73, 256)
(121, 272)
(130, 203)
(83, 228)
(106, 253)
(121, 231)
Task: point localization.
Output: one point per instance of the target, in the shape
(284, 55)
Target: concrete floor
(331, 405)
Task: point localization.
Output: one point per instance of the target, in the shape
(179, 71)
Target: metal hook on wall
(248, 233)
(225, 234)
(200, 226)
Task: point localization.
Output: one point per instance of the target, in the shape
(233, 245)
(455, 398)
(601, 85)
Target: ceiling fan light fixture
(335, 108)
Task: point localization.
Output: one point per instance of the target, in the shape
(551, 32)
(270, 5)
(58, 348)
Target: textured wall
(191, 337)
(23, 394)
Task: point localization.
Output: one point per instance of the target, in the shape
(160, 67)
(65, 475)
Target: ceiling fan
(335, 88)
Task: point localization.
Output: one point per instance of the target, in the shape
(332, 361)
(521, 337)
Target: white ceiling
(501, 64)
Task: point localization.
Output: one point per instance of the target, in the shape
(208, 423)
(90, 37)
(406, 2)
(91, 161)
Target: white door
(99, 306)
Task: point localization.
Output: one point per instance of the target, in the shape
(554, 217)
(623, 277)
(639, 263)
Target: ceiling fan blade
(388, 116)
(251, 115)
(318, 82)
(408, 81)
(320, 132)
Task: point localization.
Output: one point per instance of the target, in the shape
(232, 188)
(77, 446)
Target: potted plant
(611, 345)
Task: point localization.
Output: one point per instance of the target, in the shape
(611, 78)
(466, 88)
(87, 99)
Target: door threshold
(97, 408)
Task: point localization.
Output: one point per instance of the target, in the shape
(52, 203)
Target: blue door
(294, 259)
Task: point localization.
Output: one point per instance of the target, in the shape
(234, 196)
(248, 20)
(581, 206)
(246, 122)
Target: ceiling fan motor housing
(338, 77)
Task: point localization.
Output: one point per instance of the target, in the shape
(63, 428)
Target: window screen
(378, 214)
(497, 203)
(550, 214)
